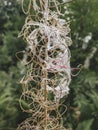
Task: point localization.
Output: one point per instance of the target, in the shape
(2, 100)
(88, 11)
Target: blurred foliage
(82, 102)
(11, 21)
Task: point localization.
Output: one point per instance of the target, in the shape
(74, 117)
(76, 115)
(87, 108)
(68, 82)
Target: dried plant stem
(45, 98)
(48, 60)
(45, 95)
(45, 84)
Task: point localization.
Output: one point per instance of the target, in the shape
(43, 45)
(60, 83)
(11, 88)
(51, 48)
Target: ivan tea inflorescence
(47, 57)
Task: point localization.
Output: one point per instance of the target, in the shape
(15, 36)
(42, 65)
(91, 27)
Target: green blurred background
(82, 101)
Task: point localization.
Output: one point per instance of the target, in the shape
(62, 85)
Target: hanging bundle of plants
(47, 58)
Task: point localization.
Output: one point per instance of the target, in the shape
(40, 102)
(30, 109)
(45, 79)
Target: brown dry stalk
(47, 59)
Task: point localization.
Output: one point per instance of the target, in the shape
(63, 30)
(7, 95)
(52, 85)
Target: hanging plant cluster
(47, 57)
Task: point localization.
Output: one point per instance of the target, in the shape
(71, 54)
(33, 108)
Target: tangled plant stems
(48, 59)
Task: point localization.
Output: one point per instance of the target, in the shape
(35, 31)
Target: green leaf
(85, 125)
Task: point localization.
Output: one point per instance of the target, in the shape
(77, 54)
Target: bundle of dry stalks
(48, 59)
